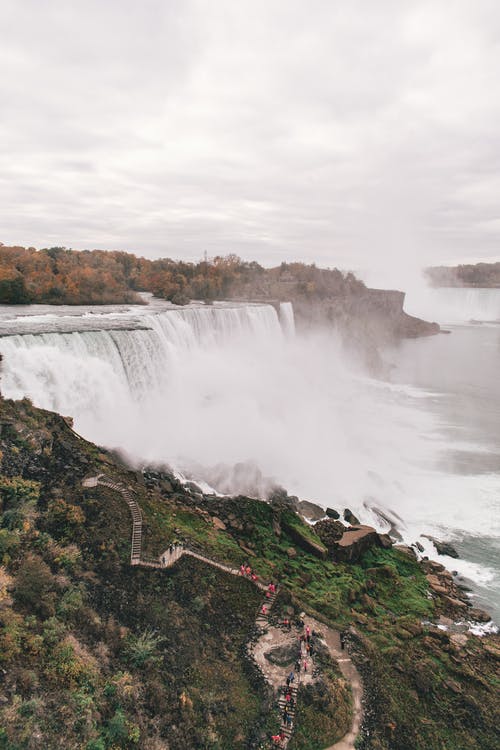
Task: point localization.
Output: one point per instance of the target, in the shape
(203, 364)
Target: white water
(233, 396)
(454, 305)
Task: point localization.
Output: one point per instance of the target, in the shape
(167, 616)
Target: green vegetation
(99, 655)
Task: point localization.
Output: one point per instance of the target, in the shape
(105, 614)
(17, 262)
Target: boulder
(350, 517)
(385, 541)
(311, 511)
(291, 552)
(354, 542)
(329, 531)
(442, 548)
(303, 537)
(348, 544)
(408, 551)
(332, 513)
(479, 615)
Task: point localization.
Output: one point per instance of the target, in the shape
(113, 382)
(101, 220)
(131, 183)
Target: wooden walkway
(174, 552)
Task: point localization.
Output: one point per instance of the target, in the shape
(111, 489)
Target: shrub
(34, 587)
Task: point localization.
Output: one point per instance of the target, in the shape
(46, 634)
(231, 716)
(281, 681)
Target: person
(291, 676)
(289, 624)
(305, 665)
(297, 666)
(242, 569)
(248, 570)
(342, 640)
(254, 577)
(264, 609)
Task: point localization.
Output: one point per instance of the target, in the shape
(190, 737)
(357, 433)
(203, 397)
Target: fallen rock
(442, 548)
(311, 511)
(304, 540)
(331, 513)
(351, 518)
(291, 552)
(479, 615)
(329, 531)
(354, 542)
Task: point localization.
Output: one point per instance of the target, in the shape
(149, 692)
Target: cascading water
(231, 395)
(94, 375)
(454, 304)
(287, 318)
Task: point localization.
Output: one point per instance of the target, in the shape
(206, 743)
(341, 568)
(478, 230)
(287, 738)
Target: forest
(470, 275)
(59, 275)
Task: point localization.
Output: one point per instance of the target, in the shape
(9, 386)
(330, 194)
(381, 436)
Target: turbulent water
(231, 395)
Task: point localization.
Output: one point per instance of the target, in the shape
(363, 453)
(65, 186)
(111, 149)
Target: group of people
(302, 664)
(247, 572)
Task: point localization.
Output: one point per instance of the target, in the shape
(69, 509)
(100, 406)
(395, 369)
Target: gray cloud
(352, 134)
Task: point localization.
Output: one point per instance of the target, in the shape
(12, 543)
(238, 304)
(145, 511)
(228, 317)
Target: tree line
(58, 275)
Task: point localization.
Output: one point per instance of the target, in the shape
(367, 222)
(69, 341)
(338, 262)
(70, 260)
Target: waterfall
(93, 374)
(455, 305)
(287, 318)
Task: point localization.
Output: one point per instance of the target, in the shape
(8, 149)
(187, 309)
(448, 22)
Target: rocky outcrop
(303, 539)
(349, 544)
(442, 548)
(449, 597)
(373, 313)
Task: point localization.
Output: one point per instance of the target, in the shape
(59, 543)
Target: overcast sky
(348, 132)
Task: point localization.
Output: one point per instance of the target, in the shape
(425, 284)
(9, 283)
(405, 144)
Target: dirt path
(276, 675)
(332, 639)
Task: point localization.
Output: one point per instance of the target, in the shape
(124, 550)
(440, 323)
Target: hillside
(97, 654)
